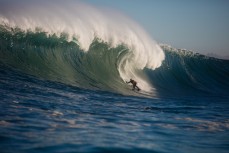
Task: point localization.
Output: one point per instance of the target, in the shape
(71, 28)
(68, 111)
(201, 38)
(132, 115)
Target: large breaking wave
(84, 24)
(89, 48)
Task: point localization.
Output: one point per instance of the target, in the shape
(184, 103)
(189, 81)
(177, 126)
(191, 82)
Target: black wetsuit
(134, 84)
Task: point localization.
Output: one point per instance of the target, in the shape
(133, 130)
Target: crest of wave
(86, 22)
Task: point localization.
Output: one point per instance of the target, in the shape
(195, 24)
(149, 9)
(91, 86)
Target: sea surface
(59, 93)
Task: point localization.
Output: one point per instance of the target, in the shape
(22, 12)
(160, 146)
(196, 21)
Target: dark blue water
(45, 116)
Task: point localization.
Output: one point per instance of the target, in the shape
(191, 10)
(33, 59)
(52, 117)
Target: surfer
(134, 83)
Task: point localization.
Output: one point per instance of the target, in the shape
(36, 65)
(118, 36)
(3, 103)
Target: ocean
(60, 93)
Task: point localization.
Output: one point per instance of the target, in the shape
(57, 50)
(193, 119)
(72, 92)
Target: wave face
(84, 47)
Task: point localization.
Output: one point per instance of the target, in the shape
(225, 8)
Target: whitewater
(63, 73)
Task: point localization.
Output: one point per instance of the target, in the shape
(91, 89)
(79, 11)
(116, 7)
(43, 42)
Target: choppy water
(43, 116)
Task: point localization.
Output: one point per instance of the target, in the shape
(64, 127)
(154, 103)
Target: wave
(89, 48)
(83, 24)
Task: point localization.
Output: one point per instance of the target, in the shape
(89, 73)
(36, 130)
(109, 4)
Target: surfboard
(136, 89)
(143, 93)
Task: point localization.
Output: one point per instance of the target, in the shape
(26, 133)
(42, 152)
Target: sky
(198, 25)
